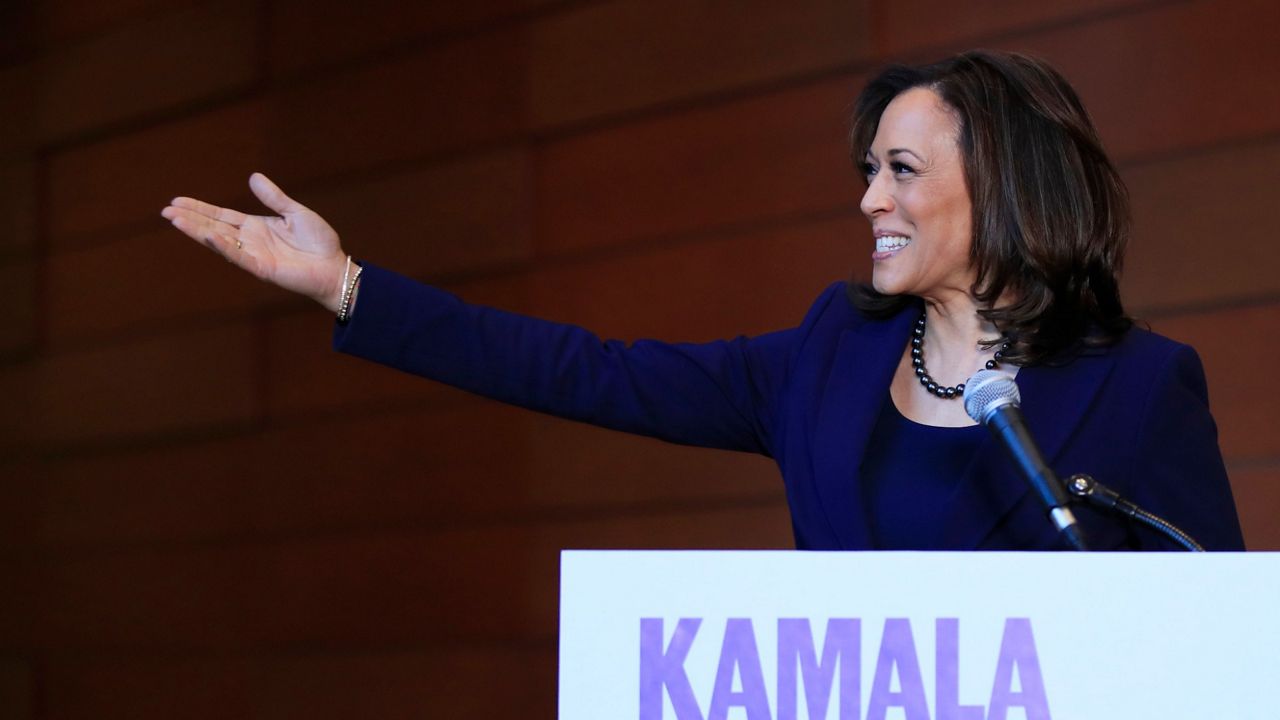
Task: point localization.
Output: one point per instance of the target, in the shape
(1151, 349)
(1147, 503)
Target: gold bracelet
(349, 291)
(342, 297)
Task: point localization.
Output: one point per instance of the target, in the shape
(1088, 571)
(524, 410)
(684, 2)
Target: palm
(295, 249)
(285, 249)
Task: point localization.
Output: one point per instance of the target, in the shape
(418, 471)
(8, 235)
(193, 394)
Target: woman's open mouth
(888, 245)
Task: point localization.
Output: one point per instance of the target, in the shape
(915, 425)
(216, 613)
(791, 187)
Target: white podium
(919, 636)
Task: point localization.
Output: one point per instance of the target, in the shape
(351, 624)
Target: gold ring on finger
(239, 244)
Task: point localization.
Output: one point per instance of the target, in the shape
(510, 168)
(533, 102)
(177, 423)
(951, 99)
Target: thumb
(271, 195)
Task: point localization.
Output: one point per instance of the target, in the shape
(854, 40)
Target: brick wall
(205, 512)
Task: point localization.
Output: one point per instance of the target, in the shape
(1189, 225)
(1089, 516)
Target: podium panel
(918, 636)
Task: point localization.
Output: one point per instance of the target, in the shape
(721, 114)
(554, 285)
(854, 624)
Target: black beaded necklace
(930, 385)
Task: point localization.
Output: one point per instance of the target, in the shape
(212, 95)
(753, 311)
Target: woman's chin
(885, 285)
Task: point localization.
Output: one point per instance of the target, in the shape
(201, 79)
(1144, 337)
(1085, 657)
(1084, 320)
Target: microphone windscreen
(988, 390)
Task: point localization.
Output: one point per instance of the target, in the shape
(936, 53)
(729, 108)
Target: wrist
(350, 281)
(336, 275)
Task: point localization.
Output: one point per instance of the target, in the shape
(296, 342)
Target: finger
(196, 225)
(271, 195)
(226, 215)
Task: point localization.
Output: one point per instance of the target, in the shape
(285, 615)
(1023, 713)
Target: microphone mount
(1084, 487)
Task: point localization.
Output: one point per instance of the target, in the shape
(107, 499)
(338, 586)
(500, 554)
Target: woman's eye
(901, 168)
(868, 169)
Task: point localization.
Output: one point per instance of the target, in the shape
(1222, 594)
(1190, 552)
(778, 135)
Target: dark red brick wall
(205, 512)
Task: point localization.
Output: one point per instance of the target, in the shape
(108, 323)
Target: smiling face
(917, 201)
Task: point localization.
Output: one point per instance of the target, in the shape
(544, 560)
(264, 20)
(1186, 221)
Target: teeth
(891, 242)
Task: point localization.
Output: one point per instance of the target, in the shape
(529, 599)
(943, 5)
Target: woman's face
(917, 201)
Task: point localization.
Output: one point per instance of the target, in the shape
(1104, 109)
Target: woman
(999, 226)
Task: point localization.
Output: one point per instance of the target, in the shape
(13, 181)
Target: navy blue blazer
(1134, 415)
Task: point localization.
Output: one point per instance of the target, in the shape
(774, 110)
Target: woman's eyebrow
(902, 151)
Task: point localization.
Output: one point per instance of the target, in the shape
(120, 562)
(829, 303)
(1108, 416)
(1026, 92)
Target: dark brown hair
(1050, 213)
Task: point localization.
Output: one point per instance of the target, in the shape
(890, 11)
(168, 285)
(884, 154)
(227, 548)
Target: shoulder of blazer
(1145, 351)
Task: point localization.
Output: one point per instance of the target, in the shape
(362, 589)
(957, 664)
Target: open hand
(295, 249)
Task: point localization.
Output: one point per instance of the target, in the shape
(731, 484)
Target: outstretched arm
(714, 394)
(295, 248)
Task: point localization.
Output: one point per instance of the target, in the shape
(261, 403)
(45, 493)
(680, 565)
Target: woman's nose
(876, 200)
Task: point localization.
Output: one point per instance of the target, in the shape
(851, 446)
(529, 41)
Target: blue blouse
(910, 474)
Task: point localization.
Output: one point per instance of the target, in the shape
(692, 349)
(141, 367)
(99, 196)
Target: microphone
(992, 399)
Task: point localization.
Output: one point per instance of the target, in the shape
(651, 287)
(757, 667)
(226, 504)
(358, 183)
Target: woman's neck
(952, 352)
(954, 339)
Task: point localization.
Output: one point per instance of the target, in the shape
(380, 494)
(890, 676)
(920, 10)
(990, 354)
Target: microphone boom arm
(1095, 493)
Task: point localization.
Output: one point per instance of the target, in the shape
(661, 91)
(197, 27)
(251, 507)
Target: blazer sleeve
(1179, 473)
(722, 394)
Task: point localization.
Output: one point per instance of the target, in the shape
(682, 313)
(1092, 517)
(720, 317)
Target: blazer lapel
(1054, 402)
(866, 358)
